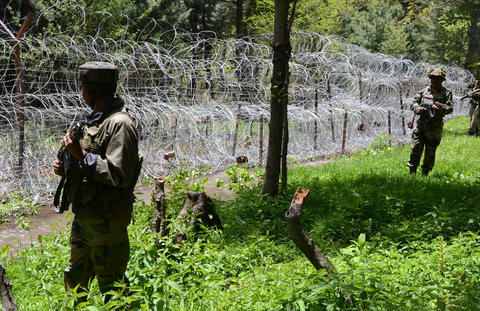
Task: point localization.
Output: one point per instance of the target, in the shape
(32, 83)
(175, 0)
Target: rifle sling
(57, 206)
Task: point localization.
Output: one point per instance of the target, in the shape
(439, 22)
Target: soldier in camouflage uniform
(474, 112)
(432, 104)
(103, 169)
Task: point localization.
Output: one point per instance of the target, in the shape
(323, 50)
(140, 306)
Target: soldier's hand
(58, 168)
(74, 148)
(421, 110)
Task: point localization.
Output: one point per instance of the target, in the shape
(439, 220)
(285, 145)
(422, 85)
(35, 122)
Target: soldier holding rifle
(474, 112)
(102, 169)
(432, 104)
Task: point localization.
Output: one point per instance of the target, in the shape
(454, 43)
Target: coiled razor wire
(207, 100)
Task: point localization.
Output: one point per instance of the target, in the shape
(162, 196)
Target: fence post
(235, 134)
(389, 126)
(345, 118)
(315, 134)
(403, 116)
(329, 96)
(19, 83)
(260, 141)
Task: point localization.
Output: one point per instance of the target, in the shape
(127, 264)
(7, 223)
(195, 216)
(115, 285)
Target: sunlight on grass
(399, 242)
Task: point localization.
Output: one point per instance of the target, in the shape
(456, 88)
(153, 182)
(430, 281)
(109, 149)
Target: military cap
(98, 72)
(437, 72)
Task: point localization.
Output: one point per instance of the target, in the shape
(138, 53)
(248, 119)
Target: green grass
(399, 242)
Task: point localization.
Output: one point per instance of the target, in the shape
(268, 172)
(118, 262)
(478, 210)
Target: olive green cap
(437, 72)
(98, 72)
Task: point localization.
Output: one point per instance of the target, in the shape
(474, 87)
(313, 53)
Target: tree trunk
(305, 243)
(284, 147)
(239, 18)
(160, 206)
(279, 97)
(473, 54)
(8, 302)
(198, 207)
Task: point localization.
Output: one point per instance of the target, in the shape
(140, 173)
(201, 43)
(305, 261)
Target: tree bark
(305, 243)
(198, 207)
(279, 97)
(8, 302)
(473, 54)
(160, 206)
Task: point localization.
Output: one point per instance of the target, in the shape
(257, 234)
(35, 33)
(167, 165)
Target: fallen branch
(305, 243)
(8, 302)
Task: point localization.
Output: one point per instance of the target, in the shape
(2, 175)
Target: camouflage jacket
(444, 101)
(475, 97)
(103, 181)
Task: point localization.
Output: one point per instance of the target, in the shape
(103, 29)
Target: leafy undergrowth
(399, 242)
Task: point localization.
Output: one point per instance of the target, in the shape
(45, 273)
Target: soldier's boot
(413, 169)
(470, 133)
(425, 172)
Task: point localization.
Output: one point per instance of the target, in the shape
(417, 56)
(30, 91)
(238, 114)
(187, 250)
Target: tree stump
(160, 206)
(8, 302)
(305, 243)
(198, 207)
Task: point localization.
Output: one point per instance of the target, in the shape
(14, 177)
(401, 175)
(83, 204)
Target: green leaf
(361, 239)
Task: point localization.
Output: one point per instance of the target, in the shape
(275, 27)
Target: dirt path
(47, 221)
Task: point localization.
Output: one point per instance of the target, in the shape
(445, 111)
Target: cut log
(198, 207)
(305, 243)
(160, 207)
(8, 302)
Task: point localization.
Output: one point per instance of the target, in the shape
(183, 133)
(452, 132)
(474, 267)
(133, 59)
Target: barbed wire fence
(206, 100)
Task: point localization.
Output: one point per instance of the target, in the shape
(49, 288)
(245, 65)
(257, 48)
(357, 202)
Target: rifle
(470, 94)
(60, 201)
(429, 113)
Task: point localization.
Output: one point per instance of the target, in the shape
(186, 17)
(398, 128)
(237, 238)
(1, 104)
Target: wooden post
(389, 122)
(174, 133)
(19, 83)
(207, 125)
(345, 118)
(260, 141)
(389, 126)
(160, 206)
(360, 94)
(315, 128)
(329, 96)
(403, 116)
(8, 301)
(235, 134)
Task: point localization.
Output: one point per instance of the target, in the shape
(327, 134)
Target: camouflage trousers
(474, 114)
(424, 140)
(98, 247)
